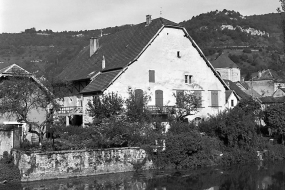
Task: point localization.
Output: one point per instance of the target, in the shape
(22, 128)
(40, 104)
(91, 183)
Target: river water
(247, 177)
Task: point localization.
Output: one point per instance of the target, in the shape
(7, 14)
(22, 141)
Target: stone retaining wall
(63, 164)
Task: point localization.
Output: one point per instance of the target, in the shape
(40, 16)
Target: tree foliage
(187, 103)
(20, 94)
(105, 106)
(274, 117)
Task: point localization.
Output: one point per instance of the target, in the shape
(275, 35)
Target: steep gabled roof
(237, 90)
(119, 50)
(101, 81)
(228, 94)
(12, 69)
(223, 61)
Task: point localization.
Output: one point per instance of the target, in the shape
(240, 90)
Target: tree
(105, 107)
(22, 93)
(136, 106)
(274, 117)
(187, 103)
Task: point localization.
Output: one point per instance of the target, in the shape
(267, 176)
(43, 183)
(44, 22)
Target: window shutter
(215, 98)
(179, 100)
(159, 98)
(139, 95)
(151, 76)
(198, 95)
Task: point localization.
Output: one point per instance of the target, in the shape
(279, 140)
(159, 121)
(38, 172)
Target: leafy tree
(236, 127)
(136, 107)
(187, 103)
(20, 94)
(105, 106)
(274, 117)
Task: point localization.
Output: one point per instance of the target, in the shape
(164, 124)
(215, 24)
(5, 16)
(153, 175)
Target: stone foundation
(63, 164)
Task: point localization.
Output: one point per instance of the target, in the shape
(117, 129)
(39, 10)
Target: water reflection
(260, 176)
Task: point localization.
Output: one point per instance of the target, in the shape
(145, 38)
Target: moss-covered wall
(63, 164)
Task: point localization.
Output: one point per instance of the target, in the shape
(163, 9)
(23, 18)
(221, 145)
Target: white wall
(232, 74)
(161, 56)
(234, 98)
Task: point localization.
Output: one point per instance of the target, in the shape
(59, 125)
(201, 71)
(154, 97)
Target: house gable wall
(170, 70)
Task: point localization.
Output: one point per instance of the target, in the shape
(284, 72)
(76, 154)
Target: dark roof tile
(100, 82)
(119, 50)
(223, 61)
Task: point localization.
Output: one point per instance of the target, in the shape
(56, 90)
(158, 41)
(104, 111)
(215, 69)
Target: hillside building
(226, 68)
(157, 57)
(266, 82)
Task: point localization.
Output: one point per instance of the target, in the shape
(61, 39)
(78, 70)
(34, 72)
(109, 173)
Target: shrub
(238, 156)
(276, 152)
(236, 127)
(8, 171)
(275, 119)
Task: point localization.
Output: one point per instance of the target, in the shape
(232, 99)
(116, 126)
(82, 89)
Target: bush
(8, 171)
(236, 127)
(238, 156)
(276, 152)
(186, 148)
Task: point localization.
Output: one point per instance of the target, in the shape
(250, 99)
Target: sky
(75, 15)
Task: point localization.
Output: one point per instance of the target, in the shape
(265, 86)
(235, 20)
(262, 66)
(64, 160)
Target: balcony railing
(70, 110)
(160, 110)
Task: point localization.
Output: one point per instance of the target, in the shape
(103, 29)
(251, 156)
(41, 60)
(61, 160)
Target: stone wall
(63, 164)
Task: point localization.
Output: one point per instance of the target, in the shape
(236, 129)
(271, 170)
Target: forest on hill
(252, 42)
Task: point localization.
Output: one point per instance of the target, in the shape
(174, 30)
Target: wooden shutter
(139, 95)
(159, 98)
(198, 95)
(179, 100)
(151, 76)
(215, 98)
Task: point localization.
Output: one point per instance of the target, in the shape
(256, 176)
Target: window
(151, 76)
(232, 103)
(188, 79)
(178, 54)
(215, 98)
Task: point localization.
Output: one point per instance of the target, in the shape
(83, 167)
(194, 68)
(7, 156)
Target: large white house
(158, 57)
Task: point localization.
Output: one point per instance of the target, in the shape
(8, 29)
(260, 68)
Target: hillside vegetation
(252, 42)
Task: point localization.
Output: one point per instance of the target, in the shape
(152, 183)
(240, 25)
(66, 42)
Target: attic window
(178, 54)
(188, 79)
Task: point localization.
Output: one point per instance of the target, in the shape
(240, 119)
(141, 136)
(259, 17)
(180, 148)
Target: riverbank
(262, 175)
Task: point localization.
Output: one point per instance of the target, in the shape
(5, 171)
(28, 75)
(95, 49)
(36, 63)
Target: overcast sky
(60, 15)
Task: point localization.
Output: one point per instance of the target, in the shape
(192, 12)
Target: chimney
(94, 45)
(148, 19)
(103, 63)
